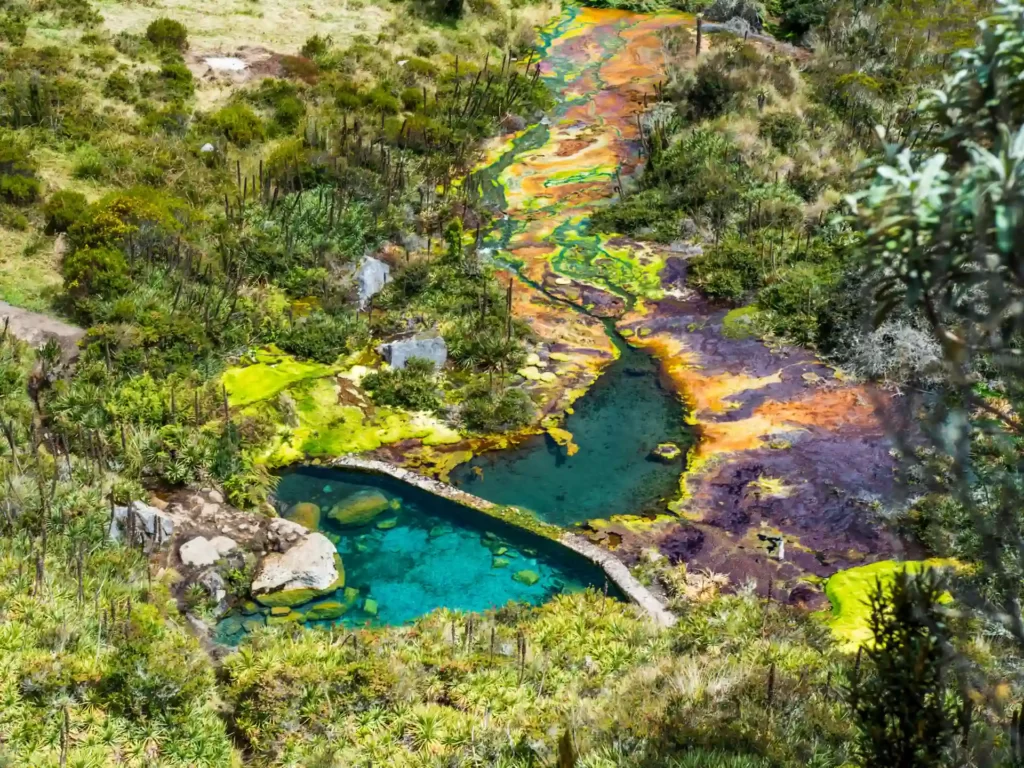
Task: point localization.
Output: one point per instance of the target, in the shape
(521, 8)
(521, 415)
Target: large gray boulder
(36, 329)
(309, 568)
(432, 348)
(140, 523)
(724, 10)
(371, 277)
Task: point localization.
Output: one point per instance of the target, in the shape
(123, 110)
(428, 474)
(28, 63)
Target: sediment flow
(788, 448)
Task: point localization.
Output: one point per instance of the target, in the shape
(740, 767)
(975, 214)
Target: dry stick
(65, 728)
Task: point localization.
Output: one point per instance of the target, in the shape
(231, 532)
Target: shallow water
(438, 554)
(616, 425)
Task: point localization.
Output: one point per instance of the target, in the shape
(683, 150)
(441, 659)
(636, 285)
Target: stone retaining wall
(614, 568)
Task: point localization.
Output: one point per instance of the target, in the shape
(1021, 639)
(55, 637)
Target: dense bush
(485, 410)
(167, 33)
(412, 387)
(321, 337)
(238, 124)
(18, 182)
(62, 209)
(782, 129)
(710, 92)
(99, 272)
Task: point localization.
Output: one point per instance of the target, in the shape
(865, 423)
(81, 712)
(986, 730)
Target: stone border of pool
(614, 568)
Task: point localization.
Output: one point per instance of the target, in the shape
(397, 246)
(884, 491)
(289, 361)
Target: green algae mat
(848, 592)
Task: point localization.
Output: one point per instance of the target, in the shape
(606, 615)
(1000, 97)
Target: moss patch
(740, 323)
(267, 377)
(848, 592)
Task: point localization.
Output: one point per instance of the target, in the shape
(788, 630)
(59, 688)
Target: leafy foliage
(167, 33)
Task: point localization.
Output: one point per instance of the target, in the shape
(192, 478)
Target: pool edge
(615, 569)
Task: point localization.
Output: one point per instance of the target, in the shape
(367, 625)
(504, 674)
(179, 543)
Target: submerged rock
(387, 525)
(326, 611)
(666, 452)
(370, 606)
(308, 569)
(529, 578)
(360, 508)
(500, 562)
(306, 514)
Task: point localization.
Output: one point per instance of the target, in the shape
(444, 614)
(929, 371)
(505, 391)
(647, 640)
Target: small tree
(899, 697)
(167, 34)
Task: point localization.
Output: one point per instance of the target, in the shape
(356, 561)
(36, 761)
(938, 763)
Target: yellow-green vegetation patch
(270, 375)
(848, 592)
(327, 427)
(740, 323)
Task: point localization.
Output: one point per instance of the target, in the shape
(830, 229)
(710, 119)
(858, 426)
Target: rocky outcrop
(432, 348)
(666, 452)
(200, 551)
(371, 277)
(309, 568)
(36, 329)
(141, 525)
(725, 10)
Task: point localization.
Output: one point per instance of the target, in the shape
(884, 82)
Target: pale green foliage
(628, 694)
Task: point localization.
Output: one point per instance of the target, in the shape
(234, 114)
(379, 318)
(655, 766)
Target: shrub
(729, 270)
(173, 82)
(319, 336)
(412, 98)
(167, 34)
(897, 354)
(239, 124)
(422, 68)
(426, 46)
(300, 68)
(710, 92)
(796, 298)
(412, 387)
(13, 28)
(99, 272)
(63, 209)
(782, 129)
(647, 213)
(18, 189)
(381, 100)
(119, 86)
(485, 411)
(288, 112)
(317, 45)
(18, 182)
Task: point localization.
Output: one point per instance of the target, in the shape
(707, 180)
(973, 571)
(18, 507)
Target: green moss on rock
(328, 610)
(306, 514)
(360, 508)
(529, 578)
